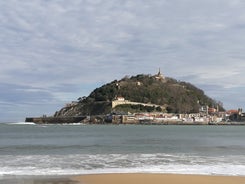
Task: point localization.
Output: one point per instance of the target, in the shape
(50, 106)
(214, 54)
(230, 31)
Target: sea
(71, 149)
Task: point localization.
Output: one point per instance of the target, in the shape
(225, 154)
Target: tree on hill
(176, 96)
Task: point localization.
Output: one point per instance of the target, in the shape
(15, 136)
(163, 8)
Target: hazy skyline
(54, 51)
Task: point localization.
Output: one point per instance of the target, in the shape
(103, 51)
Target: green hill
(171, 95)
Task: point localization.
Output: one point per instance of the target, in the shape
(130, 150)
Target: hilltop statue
(160, 76)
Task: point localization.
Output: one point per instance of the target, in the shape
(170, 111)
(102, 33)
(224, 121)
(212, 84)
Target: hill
(162, 94)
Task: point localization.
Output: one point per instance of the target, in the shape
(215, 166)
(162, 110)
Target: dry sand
(157, 179)
(129, 179)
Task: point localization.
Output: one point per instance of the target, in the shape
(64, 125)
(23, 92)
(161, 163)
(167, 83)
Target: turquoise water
(82, 149)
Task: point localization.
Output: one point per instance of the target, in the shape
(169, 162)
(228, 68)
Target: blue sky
(54, 51)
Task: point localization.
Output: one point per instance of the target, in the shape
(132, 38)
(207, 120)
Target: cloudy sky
(54, 51)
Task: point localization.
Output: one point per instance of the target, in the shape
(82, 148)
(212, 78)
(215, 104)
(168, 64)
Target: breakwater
(55, 120)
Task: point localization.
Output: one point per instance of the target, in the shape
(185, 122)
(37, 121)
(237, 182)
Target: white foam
(119, 163)
(22, 123)
(72, 124)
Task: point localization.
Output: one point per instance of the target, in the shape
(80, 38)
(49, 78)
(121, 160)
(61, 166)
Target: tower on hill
(159, 76)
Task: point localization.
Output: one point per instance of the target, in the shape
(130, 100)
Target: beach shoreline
(128, 178)
(42, 179)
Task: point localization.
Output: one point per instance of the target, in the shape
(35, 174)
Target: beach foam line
(21, 123)
(157, 179)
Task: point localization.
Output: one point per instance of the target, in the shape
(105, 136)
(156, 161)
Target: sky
(54, 51)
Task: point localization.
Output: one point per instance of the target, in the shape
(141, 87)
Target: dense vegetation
(175, 96)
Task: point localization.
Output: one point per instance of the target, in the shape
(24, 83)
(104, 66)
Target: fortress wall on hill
(122, 102)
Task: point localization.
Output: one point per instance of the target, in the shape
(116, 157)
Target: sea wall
(55, 120)
(115, 103)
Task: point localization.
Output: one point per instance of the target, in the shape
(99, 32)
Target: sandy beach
(157, 179)
(128, 179)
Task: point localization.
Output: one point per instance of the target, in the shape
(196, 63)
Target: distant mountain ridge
(168, 95)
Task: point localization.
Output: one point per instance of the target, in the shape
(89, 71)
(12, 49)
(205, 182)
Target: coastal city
(205, 116)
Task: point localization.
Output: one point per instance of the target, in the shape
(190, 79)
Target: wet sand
(157, 179)
(39, 180)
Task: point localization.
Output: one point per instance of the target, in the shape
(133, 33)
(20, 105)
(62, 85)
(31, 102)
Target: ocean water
(29, 149)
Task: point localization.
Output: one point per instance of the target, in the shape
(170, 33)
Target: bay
(29, 149)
